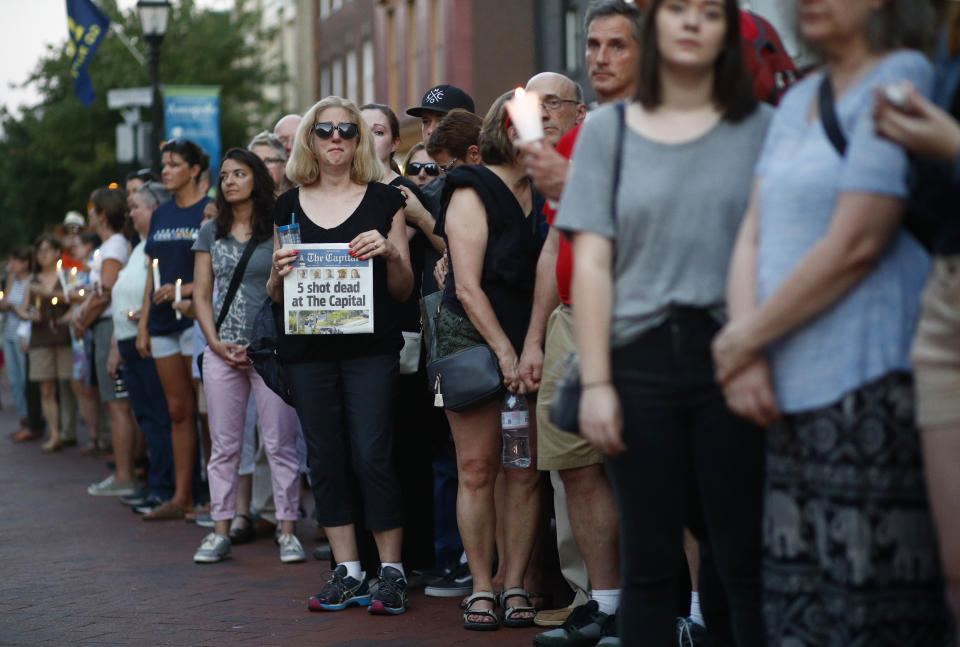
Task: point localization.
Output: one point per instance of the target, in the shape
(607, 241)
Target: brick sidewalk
(83, 570)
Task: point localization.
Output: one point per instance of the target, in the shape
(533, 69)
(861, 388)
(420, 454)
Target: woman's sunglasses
(430, 168)
(324, 129)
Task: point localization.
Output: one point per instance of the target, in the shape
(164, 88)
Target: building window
(572, 53)
(436, 54)
(352, 89)
(324, 9)
(325, 86)
(392, 65)
(337, 4)
(413, 86)
(369, 70)
(337, 85)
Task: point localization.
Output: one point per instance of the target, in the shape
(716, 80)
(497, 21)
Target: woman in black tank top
(491, 221)
(343, 385)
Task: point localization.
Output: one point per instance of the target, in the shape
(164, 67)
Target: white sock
(608, 600)
(396, 565)
(695, 613)
(463, 557)
(353, 570)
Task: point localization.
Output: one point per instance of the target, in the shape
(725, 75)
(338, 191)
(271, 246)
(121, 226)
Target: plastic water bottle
(515, 424)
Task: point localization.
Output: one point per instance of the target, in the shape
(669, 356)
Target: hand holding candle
(156, 275)
(524, 111)
(177, 296)
(62, 279)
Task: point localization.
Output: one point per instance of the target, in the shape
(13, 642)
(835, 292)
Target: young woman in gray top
(648, 282)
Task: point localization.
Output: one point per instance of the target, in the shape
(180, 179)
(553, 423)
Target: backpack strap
(618, 158)
(235, 281)
(828, 115)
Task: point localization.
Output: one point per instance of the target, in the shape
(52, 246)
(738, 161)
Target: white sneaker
(290, 549)
(214, 548)
(110, 487)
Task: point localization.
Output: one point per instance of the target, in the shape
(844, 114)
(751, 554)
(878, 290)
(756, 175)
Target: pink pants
(228, 390)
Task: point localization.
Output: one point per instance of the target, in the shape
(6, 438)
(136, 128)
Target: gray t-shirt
(225, 254)
(679, 207)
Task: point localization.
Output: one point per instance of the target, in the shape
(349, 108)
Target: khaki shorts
(51, 363)
(936, 348)
(556, 449)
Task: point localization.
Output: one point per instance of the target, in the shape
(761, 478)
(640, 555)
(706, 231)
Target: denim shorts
(177, 343)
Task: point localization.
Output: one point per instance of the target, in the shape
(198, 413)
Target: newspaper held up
(328, 292)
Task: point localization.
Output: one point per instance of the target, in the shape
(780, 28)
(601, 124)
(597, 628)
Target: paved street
(82, 570)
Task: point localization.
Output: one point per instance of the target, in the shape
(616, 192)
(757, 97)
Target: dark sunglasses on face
(347, 130)
(430, 168)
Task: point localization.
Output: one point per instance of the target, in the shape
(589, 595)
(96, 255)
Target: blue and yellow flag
(87, 26)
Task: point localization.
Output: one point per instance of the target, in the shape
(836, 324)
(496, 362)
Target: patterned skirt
(850, 553)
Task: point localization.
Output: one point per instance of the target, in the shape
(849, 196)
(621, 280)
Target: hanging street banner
(193, 112)
(87, 26)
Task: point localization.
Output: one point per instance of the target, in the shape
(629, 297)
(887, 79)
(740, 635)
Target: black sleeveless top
(513, 246)
(375, 211)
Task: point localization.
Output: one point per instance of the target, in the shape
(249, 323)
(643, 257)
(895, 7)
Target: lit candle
(524, 110)
(62, 279)
(54, 301)
(156, 275)
(177, 296)
(1, 295)
(81, 292)
(73, 276)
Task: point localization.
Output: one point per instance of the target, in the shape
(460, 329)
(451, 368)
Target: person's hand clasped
(371, 243)
(165, 294)
(531, 367)
(283, 259)
(234, 355)
(733, 348)
(749, 393)
(509, 366)
(440, 270)
(601, 421)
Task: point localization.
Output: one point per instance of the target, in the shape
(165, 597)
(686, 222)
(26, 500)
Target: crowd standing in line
(760, 303)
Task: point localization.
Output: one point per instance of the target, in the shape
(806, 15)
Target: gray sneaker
(214, 548)
(110, 487)
(290, 549)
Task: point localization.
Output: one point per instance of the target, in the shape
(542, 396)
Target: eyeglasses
(552, 103)
(347, 130)
(446, 168)
(273, 161)
(430, 168)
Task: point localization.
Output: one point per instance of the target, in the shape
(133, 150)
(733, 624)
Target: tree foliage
(55, 153)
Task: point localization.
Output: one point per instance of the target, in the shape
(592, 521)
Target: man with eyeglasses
(269, 148)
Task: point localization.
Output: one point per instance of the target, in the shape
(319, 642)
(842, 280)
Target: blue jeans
(150, 408)
(16, 362)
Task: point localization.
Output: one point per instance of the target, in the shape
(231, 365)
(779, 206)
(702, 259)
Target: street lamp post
(154, 15)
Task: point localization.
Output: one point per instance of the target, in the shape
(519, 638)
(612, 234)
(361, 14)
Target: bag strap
(618, 159)
(235, 281)
(828, 115)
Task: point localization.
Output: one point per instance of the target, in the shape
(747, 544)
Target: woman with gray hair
(823, 294)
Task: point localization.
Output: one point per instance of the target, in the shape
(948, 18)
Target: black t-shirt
(410, 311)
(514, 240)
(375, 211)
(431, 192)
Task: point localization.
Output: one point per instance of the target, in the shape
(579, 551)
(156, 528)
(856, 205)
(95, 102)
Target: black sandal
(485, 625)
(244, 533)
(509, 612)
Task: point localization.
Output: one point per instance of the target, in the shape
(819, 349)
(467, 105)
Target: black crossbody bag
(235, 279)
(565, 404)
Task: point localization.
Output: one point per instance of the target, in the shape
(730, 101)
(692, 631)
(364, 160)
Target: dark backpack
(766, 59)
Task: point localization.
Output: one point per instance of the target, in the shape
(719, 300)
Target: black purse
(565, 404)
(262, 349)
(235, 279)
(463, 379)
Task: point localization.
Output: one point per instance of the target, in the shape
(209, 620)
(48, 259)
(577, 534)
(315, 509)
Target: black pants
(346, 410)
(690, 462)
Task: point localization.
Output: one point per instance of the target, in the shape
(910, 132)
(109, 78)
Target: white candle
(53, 301)
(81, 292)
(156, 275)
(73, 276)
(524, 110)
(62, 279)
(177, 296)
(96, 272)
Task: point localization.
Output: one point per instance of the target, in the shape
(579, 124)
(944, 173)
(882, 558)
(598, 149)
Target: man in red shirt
(582, 491)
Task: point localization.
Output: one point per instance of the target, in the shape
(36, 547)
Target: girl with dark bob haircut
(732, 86)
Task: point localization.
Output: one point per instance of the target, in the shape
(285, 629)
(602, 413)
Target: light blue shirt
(867, 333)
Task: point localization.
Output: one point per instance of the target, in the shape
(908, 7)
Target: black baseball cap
(443, 98)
